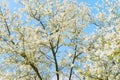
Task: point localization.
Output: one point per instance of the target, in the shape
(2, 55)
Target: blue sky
(89, 1)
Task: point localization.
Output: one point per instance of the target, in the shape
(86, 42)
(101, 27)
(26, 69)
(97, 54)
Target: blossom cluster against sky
(13, 6)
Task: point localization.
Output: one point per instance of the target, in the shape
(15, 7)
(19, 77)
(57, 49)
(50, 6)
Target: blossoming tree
(46, 40)
(32, 38)
(102, 61)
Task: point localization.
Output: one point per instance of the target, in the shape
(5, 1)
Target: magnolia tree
(41, 39)
(46, 40)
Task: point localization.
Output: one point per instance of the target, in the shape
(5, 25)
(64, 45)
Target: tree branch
(26, 58)
(55, 59)
(36, 70)
(71, 70)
